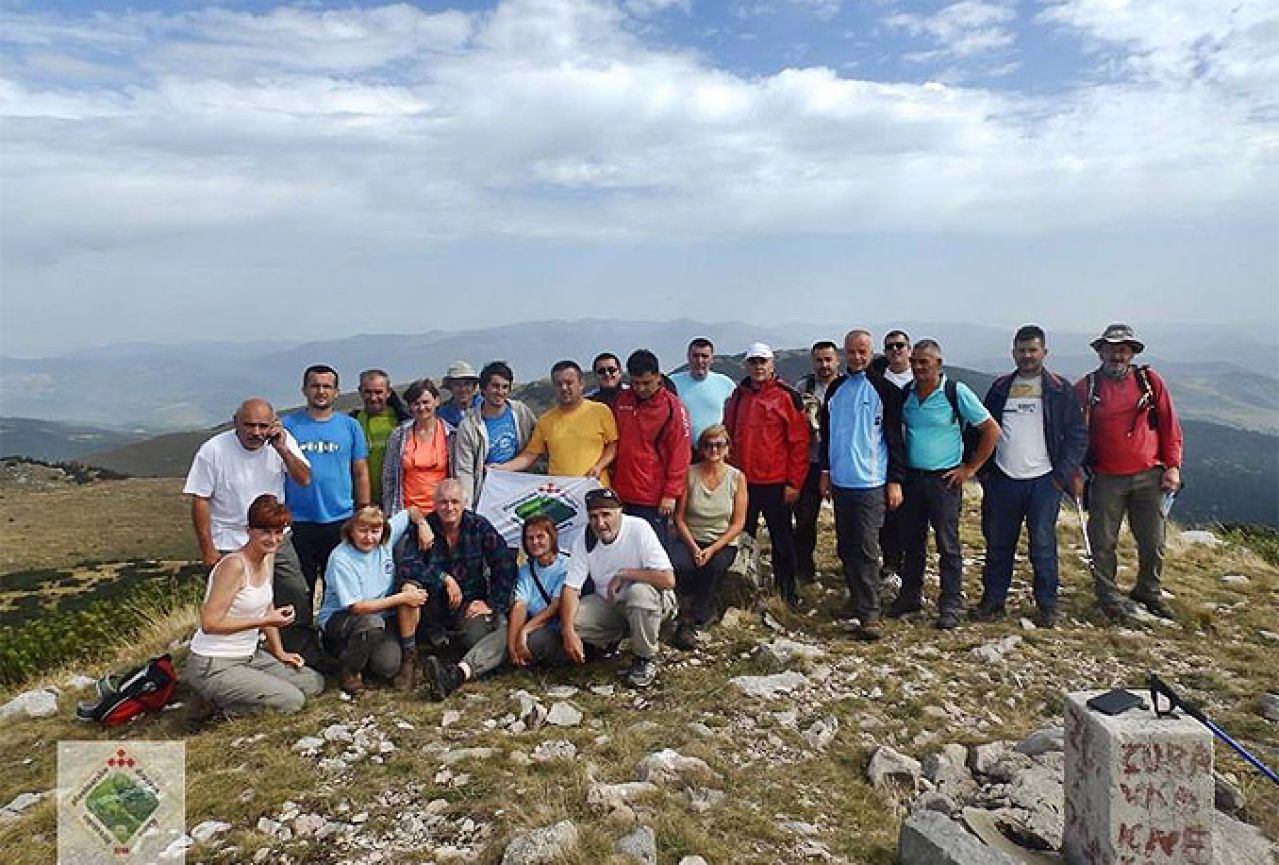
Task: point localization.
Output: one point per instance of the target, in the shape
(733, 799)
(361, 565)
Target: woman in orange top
(417, 453)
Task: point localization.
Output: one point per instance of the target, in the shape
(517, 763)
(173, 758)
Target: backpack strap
(541, 589)
(951, 388)
(1146, 402)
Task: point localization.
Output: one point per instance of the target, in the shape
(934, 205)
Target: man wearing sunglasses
(894, 366)
(607, 368)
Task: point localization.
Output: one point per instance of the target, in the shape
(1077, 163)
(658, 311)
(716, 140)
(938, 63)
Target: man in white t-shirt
(229, 471)
(1041, 443)
(894, 366)
(633, 581)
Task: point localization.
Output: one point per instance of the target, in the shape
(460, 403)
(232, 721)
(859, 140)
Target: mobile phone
(1116, 702)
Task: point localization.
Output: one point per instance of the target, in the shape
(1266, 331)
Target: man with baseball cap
(463, 384)
(1134, 460)
(768, 428)
(634, 587)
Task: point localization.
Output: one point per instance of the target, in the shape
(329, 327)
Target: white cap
(759, 349)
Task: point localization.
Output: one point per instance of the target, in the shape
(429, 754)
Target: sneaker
(985, 612)
(1046, 617)
(868, 632)
(351, 682)
(642, 673)
(1155, 605)
(410, 672)
(443, 678)
(685, 637)
(948, 620)
(902, 607)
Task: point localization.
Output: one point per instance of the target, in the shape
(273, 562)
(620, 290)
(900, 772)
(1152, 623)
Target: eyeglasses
(714, 446)
(757, 361)
(895, 346)
(608, 370)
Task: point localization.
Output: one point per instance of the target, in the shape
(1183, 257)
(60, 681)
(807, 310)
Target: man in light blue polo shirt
(702, 390)
(934, 414)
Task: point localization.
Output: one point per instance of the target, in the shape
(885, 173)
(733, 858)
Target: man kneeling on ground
(468, 573)
(533, 628)
(634, 584)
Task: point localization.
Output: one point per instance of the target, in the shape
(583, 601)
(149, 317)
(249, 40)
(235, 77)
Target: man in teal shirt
(702, 390)
(934, 414)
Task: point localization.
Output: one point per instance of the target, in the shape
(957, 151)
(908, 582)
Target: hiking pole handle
(1158, 687)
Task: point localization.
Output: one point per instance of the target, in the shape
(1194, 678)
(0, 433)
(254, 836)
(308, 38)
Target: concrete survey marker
(1139, 789)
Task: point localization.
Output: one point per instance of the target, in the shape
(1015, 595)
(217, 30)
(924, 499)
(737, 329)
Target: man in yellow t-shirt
(578, 436)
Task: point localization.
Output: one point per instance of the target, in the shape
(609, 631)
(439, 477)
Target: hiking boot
(642, 672)
(409, 674)
(868, 632)
(442, 678)
(1118, 609)
(792, 601)
(1155, 605)
(351, 682)
(1046, 617)
(985, 612)
(902, 607)
(685, 637)
(948, 620)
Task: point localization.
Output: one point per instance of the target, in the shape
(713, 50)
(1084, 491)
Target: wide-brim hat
(1119, 334)
(460, 369)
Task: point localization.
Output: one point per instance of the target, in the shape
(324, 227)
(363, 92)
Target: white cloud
(965, 29)
(385, 133)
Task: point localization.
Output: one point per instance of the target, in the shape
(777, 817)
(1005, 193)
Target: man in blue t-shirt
(935, 474)
(338, 452)
(702, 390)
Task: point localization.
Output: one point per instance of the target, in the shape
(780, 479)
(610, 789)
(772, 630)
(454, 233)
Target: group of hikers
(379, 506)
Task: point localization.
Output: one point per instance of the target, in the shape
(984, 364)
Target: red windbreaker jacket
(653, 447)
(769, 431)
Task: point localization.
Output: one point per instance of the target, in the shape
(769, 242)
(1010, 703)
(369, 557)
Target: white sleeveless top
(250, 602)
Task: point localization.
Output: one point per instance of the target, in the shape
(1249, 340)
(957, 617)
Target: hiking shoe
(1046, 617)
(685, 637)
(985, 612)
(409, 674)
(443, 678)
(902, 607)
(948, 620)
(351, 682)
(868, 632)
(1118, 609)
(642, 672)
(1155, 605)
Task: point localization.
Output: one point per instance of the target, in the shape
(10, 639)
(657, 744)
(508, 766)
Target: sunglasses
(894, 346)
(715, 446)
(607, 370)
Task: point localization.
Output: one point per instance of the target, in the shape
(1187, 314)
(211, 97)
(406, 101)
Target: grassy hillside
(50, 440)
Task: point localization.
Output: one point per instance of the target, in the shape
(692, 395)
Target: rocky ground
(779, 739)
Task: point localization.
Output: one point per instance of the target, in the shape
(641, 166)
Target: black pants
(701, 585)
(463, 633)
(928, 501)
(808, 506)
(890, 541)
(362, 642)
(769, 500)
(314, 542)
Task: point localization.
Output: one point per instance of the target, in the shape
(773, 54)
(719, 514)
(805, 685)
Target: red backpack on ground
(124, 696)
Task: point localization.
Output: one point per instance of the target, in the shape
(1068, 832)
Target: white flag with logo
(510, 498)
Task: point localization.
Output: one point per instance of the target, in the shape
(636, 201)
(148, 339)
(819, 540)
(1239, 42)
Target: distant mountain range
(54, 442)
(160, 388)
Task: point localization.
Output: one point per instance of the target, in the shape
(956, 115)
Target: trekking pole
(1083, 530)
(1160, 688)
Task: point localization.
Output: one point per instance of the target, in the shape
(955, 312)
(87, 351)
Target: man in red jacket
(765, 418)
(652, 444)
(1134, 457)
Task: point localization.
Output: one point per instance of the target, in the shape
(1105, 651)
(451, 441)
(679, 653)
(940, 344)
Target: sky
(183, 171)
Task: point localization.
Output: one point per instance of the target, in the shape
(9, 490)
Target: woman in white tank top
(227, 666)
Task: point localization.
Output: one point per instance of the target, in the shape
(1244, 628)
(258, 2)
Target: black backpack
(968, 433)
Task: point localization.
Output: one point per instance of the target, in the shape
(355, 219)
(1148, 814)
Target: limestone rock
(640, 845)
(947, 766)
(554, 749)
(1196, 536)
(308, 744)
(983, 757)
(693, 860)
(1235, 580)
(1270, 707)
(461, 754)
(671, 767)
(1237, 843)
(1228, 795)
(542, 846)
(40, 703)
(821, 733)
(930, 838)
(993, 653)
(889, 768)
(1042, 741)
(781, 653)
(208, 829)
(932, 800)
(564, 715)
(20, 803)
(605, 797)
(768, 687)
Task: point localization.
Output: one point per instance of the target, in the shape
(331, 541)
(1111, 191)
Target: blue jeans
(1006, 504)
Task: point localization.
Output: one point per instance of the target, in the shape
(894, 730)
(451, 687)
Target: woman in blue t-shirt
(533, 629)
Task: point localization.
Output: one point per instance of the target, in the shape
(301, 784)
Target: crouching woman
(228, 667)
(357, 595)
